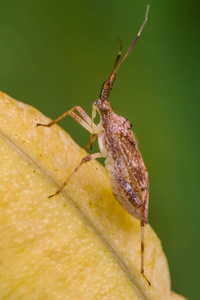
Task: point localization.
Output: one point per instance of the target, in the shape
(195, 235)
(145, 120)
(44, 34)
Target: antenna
(108, 84)
(117, 59)
(135, 40)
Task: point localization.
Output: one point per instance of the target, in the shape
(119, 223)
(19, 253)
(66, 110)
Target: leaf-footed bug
(118, 145)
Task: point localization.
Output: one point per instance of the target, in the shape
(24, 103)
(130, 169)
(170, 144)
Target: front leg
(84, 120)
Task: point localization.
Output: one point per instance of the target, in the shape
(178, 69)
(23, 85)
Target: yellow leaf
(78, 245)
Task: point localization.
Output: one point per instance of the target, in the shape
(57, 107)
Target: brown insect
(118, 145)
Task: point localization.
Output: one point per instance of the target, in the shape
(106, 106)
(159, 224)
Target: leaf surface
(78, 245)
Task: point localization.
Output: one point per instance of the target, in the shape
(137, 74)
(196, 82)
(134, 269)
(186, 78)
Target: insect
(118, 145)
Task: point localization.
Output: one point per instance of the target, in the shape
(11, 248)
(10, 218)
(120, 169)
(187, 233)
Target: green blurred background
(56, 54)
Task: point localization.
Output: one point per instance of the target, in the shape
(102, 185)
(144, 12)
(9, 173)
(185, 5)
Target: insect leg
(130, 201)
(142, 224)
(91, 142)
(85, 121)
(83, 161)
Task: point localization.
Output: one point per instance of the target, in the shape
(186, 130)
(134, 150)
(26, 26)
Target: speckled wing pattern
(128, 175)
